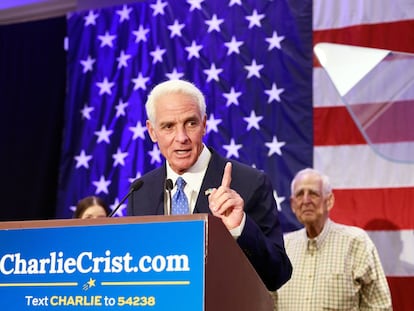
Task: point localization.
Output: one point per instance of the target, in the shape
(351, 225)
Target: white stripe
(358, 166)
(324, 92)
(396, 251)
(329, 14)
(390, 85)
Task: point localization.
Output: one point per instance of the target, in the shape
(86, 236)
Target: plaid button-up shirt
(338, 270)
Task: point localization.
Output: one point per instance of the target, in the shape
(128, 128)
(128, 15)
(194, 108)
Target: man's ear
(151, 131)
(292, 205)
(330, 201)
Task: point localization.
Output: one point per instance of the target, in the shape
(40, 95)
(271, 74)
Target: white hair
(174, 86)
(326, 184)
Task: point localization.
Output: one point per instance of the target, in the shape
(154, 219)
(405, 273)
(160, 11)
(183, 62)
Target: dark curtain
(32, 95)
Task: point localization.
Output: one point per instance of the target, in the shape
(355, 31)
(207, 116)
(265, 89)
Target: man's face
(178, 129)
(308, 202)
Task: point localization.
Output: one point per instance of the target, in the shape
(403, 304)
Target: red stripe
(402, 289)
(396, 36)
(373, 209)
(386, 122)
(334, 126)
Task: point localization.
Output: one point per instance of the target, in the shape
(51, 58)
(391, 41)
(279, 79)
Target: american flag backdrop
(269, 104)
(251, 59)
(372, 191)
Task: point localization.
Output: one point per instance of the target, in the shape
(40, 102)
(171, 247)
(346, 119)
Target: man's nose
(181, 134)
(306, 197)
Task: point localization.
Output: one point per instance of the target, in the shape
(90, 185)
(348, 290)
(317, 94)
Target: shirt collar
(320, 239)
(192, 176)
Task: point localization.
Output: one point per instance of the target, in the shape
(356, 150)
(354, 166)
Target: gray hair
(174, 86)
(326, 184)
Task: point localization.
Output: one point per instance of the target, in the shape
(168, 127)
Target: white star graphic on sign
(83, 159)
(253, 69)
(174, 75)
(232, 2)
(87, 64)
(155, 154)
(274, 41)
(214, 23)
(132, 179)
(121, 208)
(195, 4)
(232, 97)
(158, 8)
(122, 59)
(124, 13)
(176, 29)
(253, 121)
(232, 149)
(193, 50)
(90, 19)
(157, 55)
(274, 93)
(254, 19)
(120, 108)
(140, 34)
(212, 124)
(279, 200)
(275, 146)
(86, 112)
(139, 82)
(103, 135)
(233, 46)
(138, 131)
(212, 73)
(105, 86)
(119, 157)
(106, 39)
(101, 185)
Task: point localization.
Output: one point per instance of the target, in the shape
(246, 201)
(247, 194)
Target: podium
(180, 263)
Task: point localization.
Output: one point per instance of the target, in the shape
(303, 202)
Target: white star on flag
(140, 82)
(274, 93)
(86, 112)
(87, 64)
(106, 40)
(253, 69)
(232, 149)
(138, 131)
(119, 157)
(140, 34)
(275, 147)
(105, 86)
(253, 121)
(212, 123)
(214, 23)
(101, 185)
(213, 73)
(103, 135)
(255, 19)
(83, 159)
(176, 29)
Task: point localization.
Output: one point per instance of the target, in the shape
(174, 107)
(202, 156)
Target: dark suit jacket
(261, 239)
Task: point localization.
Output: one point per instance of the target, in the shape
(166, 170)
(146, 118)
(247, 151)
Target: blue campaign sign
(144, 266)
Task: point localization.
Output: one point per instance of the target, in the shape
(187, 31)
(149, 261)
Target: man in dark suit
(241, 196)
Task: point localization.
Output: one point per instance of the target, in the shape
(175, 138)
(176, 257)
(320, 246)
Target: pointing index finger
(225, 182)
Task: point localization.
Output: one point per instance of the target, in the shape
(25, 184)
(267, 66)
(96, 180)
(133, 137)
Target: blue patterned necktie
(179, 200)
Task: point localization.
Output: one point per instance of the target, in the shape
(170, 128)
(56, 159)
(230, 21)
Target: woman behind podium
(91, 207)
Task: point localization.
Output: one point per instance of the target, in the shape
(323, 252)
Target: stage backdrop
(371, 191)
(251, 59)
(254, 62)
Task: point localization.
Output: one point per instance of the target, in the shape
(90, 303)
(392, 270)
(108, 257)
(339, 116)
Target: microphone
(168, 186)
(134, 187)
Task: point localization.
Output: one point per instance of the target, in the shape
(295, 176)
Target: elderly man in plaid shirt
(335, 267)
